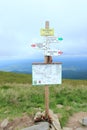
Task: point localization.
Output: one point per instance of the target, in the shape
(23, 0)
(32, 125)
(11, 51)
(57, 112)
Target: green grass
(7, 77)
(18, 96)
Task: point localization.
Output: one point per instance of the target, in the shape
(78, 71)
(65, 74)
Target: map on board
(46, 74)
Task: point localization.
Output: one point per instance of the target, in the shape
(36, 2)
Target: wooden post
(46, 102)
(47, 60)
(46, 27)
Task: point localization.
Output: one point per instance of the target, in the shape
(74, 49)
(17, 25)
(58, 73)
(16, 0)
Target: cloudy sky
(21, 20)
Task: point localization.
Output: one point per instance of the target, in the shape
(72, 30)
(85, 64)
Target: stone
(83, 121)
(67, 128)
(39, 126)
(4, 123)
(51, 127)
(79, 128)
(52, 118)
(55, 120)
(59, 106)
(38, 115)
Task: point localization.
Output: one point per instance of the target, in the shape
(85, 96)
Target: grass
(17, 96)
(7, 77)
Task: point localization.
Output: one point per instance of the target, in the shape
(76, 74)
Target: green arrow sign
(60, 38)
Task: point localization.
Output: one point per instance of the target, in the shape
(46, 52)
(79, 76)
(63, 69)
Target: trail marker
(52, 39)
(33, 45)
(44, 74)
(47, 32)
(52, 52)
(41, 46)
(60, 38)
(47, 73)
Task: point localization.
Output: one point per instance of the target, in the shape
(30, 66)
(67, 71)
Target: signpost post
(48, 59)
(47, 73)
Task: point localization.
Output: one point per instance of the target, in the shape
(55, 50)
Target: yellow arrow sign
(47, 32)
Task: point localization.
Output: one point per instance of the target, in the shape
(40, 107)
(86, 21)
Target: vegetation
(18, 96)
(7, 77)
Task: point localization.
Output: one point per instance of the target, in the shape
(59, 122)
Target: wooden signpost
(48, 59)
(48, 67)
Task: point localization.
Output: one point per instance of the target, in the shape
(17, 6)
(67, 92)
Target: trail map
(46, 74)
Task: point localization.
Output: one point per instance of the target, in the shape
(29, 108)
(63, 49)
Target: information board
(46, 74)
(47, 32)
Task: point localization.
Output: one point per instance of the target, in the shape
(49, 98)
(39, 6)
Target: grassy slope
(7, 77)
(17, 96)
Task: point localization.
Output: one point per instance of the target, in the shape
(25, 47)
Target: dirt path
(74, 121)
(19, 123)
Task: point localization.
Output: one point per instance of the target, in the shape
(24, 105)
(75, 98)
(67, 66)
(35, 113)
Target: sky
(21, 21)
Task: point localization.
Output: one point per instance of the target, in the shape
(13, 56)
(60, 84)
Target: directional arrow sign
(60, 52)
(42, 46)
(60, 38)
(52, 52)
(52, 39)
(33, 45)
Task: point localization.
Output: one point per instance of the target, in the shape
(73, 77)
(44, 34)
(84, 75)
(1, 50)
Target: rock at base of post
(39, 126)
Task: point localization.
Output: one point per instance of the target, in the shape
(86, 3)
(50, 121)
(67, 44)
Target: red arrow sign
(60, 52)
(33, 45)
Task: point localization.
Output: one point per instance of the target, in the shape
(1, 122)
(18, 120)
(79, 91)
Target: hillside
(7, 77)
(18, 96)
(12, 77)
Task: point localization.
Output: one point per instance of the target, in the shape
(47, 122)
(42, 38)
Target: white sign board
(52, 39)
(52, 52)
(46, 74)
(42, 46)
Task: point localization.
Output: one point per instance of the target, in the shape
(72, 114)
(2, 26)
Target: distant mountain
(73, 68)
